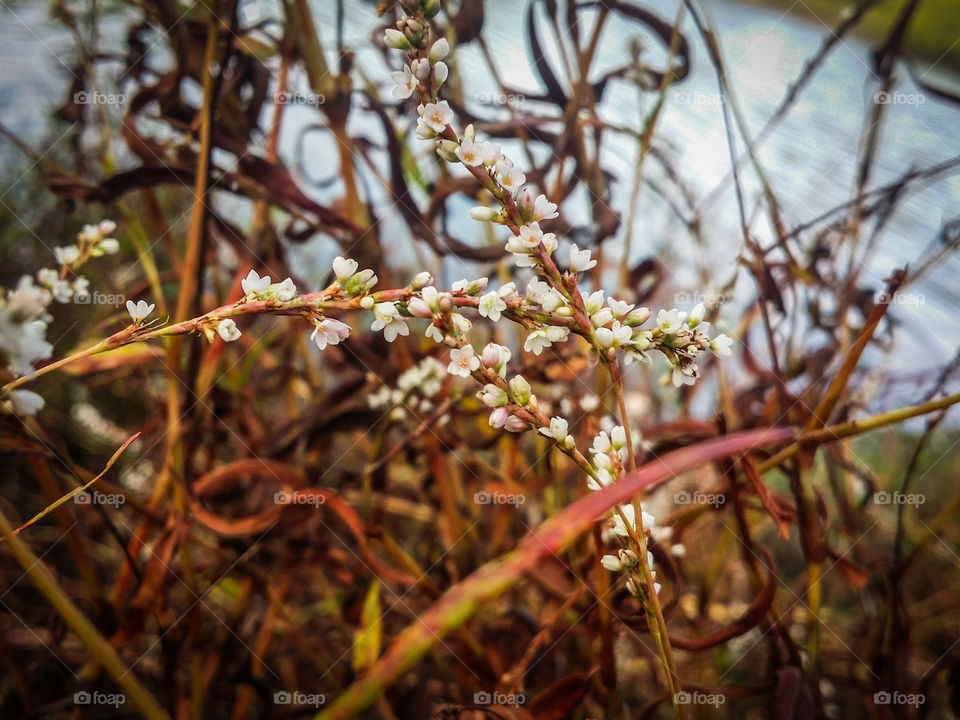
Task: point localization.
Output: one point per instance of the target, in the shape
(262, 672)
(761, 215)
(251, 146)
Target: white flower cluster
(92, 241)
(608, 455)
(682, 338)
(23, 310)
(416, 389)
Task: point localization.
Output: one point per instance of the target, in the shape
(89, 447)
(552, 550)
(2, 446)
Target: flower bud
(482, 213)
(516, 425)
(421, 280)
(366, 302)
(634, 589)
(628, 558)
(430, 8)
(361, 282)
(611, 562)
(493, 396)
(447, 149)
(525, 201)
(393, 38)
(499, 417)
(494, 356)
(638, 316)
(475, 287)
(520, 389)
(418, 308)
(439, 50)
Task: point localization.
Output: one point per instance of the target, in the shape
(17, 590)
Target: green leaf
(366, 645)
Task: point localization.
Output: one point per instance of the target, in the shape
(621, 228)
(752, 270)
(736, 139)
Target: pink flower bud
(499, 417)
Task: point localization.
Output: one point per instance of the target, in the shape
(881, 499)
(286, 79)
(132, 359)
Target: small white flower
(227, 329)
(670, 321)
(618, 437)
(684, 376)
(253, 284)
(536, 342)
(721, 344)
(619, 307)
(25, 402)
(580, 259)
(440, 72)
(594, 303)
(470, 152)
(530, 235)
(437, 115)
(463, 361)
(557, 429)
(502, 164)
(329, 332)
(543, 209)
(67, 255)
(550, 242)
(434, 333)
(603, 478)
(344, 268)
(557, 333)
(491, 153)
(387, 318)
(536, 290)
(513, 179)
(491, 305)
(405, 83)
(601, 443)
(140, 310)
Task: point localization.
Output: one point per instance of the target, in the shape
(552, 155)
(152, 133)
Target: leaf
(366, 644)
(560, 699)
(53, 506)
